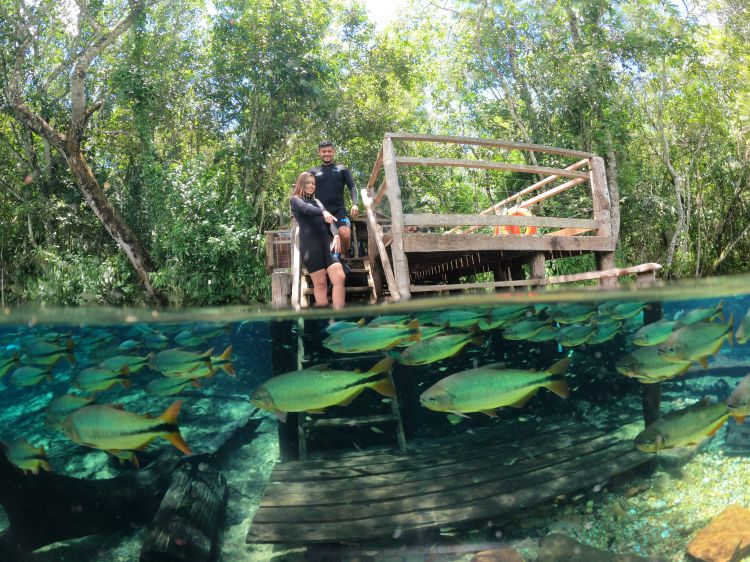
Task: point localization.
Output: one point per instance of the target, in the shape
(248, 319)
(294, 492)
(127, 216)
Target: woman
(315, 241)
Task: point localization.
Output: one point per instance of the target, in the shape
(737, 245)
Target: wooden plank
(510, 145)
(535, 489)
(375, 170)
(281, 288)
(400, 262)
(496, 220)
(537, 266)
(551, 192)
(349, 422)
(296, 267)
(431, 242)
(486, 165)
(499, 205)
(576, 277)
(373, 226)
(399, 497)
(569, 231)
(380, 193)
(600, 196)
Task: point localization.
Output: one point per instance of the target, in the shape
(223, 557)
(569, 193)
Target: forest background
(146, 145)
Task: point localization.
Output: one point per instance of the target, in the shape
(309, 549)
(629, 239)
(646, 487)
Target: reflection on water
(96, 394)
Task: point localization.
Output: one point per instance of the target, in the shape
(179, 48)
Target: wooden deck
(488, 474)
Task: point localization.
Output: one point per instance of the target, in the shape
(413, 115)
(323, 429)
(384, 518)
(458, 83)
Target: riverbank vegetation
(145, 146)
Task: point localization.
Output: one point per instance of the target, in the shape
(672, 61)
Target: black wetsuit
(314, 234)
(330, 180)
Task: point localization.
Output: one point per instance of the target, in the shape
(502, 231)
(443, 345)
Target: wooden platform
(488, 474)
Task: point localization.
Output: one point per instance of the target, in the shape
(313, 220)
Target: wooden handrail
(375, 169)
(489, 142)
(497, 220)
(486, 165)
(550, 192)
(372, 223)
(296, 266)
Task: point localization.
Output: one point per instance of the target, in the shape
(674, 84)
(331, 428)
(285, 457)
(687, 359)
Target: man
(330, 180)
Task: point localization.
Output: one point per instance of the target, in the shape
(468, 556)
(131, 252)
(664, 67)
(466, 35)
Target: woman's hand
(336, 245)
(328, 217)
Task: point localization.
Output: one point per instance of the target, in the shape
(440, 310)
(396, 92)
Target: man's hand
(355, 211)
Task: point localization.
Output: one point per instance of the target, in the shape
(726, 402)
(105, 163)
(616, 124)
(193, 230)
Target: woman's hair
(299, 185)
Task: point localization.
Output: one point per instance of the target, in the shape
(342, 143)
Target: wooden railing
(566, 237)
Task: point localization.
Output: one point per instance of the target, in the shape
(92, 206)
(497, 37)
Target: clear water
(648, 513)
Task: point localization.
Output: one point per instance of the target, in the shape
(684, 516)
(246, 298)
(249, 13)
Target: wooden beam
(497, 220)
(600, 196)
(380, 193)
(510, 145)
(577, 277)
(570, 231)
(377, 233)
(430, 242)
(296, 266)
(487, 165)
(400, 263)
(551, 192)
(375, 170)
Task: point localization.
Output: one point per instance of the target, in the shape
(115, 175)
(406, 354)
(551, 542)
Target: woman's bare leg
(320, 286)
(338, 277)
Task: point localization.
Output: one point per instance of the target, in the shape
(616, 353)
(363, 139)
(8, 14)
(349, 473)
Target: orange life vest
(516, 212)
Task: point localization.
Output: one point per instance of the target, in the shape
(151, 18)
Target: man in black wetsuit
(330, 180)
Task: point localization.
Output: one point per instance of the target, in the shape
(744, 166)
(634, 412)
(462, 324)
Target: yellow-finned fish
(26, 457)
(524, 329)
(654, 334)
(316, 388)
(743, 332)
(95, 379)
(572, 313)
(8, 360)
(437, 348)
(739, 401)
(125, 363)
(486, 388)
(167, 386)
(365, 339)
(626, 310)
(687, 426)
(575, 334)
(200, 370)
(604, 332)
(700, 314)
(112, 429)
(696, 342)
(61, 407)
(646, 365)
(29, 376)
(460, 318)
(179, 360)
(40, 352)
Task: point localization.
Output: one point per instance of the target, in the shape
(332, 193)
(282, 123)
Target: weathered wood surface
(487, 165)
(400, 262)
(377, 236)
(454, 481)
(376, 169)
(186, 527)
(281, 288)
(430, 242)
(489, 142)
(551, 192)
(496, 220)
(296, 266)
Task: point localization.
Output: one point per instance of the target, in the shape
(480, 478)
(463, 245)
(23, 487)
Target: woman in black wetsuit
(315, 242)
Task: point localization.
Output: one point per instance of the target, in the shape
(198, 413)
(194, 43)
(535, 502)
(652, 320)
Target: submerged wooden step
(350, 422)
(347, 289)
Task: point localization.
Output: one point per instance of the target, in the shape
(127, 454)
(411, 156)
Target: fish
(156, 341)
(112, 429)
(125, 363)
(40, 352)
(604, 332)
(509, 312)
(654, 334)
(29, 376)
(8, 360)
(438, 347)
(167, 386)
(28, 458)
(524, 329)
(129, 345)
(575, 334)
(96, 379)
(316, 388)
(548, 333)
(186, 338)
(61, 407)
(343, 325)
(391, 319)
(487, 388)
(743, 332)
(696, 342)
(647, 365)
(702, 313)
(210, 330)
(179, 360)
(204, 369)
(572, 313)
(459, 318)
(372, 339)
(687, 426)
(625, 310)
(739, 401)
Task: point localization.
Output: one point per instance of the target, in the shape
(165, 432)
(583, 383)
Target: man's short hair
(325, 143)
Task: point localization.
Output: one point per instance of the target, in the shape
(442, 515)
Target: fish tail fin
(226, 362)
(720, 310)
(195, 383)
(226, 355)
(384, 365)
(171, 413)
(730, 329)
(69, 344)
(385, 387)
(207, 355)
(126, 382)
(360, 322)
(46, 465)
(70, 358)
(559, 387)
(739, 418)
(477, 340)
(176, 439)
(560, 367)
(229, 369)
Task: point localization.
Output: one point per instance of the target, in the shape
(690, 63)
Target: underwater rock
(497, 555)
(725, 539)
(559, 548)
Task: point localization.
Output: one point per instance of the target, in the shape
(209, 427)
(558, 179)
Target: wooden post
(379, 245)
(296, 266)
(536, 265)
(651, 397)
(284, 361)
(400, 264)
(602, 213)
(281, 288)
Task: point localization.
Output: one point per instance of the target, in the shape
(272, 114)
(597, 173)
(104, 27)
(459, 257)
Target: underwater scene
(580, 425)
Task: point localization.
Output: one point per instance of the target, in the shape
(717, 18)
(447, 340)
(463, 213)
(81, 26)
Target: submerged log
(186, 527)
(48, 507)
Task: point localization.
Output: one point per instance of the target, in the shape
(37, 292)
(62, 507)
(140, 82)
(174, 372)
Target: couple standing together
(324, 227)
